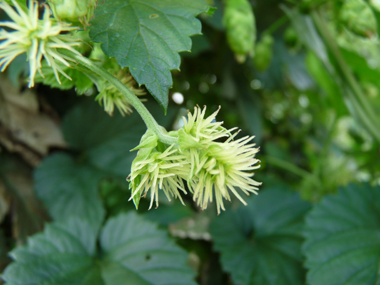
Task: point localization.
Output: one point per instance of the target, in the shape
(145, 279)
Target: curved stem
(147, 117)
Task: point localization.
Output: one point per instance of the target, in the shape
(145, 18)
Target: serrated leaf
(106, 140)
(62, 254)
(261, 243)
(137, 249)
(343, 237)
(69, 189)
(133, 251)
(146, 36)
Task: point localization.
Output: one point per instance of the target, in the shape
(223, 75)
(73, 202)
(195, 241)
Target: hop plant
(217, 167)
(37, 38)
(211, 168)
(240, 26)
(155, 167)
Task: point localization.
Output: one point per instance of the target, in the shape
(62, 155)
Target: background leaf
(137, 249)
(343, 237)
(62, 254)
(133, 251)
(146, 36)
(261, 243)
(69, 189)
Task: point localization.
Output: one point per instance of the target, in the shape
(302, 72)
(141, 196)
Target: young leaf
(261, 243)
(69, 189)
(343, 237)
(146, 36)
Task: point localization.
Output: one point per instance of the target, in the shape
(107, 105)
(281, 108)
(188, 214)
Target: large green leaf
(69, 189)
(133, 251)
(136, 250)
(343, 237)
(261, 243)
(146, 36)
(62, 254)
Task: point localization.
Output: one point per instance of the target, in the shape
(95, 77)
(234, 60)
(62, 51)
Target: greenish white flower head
(155, 167)
(217, 168)
(38, 38)
(212, 168)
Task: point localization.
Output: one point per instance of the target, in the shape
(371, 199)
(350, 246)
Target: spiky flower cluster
(110, 96)
(212, 168)
(38, 38)
(156, 167)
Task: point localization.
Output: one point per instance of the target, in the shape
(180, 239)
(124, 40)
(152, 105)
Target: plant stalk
(147, 117)
(363, 108)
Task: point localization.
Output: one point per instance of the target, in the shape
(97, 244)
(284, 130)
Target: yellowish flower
(155, 167)
(110, 96)
(217, 167)
(38, 38)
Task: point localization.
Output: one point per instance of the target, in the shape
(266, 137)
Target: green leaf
(307, 33)
(133, 251)
(62, 254)
(106, 140)
(146, 36)
(136, 249)
(343, 237)
(326, 82)
(261, 243)
(69, 189)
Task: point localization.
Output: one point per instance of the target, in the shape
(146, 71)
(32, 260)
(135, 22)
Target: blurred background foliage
(309, 93)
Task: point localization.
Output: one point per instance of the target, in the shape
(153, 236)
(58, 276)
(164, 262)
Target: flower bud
(358, 18)
(263, 53)
(73, 10)
(240, 26)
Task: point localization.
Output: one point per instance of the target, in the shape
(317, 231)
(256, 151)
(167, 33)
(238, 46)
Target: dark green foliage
(343, 237)
(132, 251)
(146, 36)
(263, 238)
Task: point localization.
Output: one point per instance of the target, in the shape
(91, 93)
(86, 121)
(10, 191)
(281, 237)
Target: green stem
(287, 166)
(147, 117)
(361, 104)
(276, 25)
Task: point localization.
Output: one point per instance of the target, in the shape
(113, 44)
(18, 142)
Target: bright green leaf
(343, 237)
(261, 243)
(146, 36)
(69, 189)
